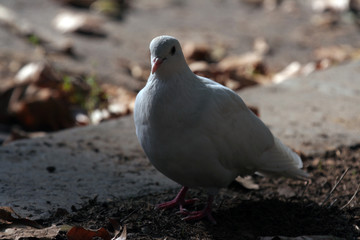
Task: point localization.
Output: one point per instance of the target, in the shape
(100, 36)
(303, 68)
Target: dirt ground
(280, 207)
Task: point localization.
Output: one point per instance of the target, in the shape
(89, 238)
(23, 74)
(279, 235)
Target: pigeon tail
(280, 160)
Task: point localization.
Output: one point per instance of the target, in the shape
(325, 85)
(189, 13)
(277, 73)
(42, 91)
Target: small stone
(51, 169)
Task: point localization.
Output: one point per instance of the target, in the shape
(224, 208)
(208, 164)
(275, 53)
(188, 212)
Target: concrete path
(315, 113)
(68, 168)
(64, 169)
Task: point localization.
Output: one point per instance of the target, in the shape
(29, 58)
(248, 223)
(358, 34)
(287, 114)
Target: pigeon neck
(180, 70)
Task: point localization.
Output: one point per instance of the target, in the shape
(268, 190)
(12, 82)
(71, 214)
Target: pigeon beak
(156, 64)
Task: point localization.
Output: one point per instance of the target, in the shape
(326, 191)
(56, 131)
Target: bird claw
(167, 205)
(182, 211)
(179, 200)
(176, 202)
(197, 215)
(191, 201)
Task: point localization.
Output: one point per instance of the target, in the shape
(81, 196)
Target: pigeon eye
(173, 50)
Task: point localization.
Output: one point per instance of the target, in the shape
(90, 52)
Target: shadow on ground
(274, 217)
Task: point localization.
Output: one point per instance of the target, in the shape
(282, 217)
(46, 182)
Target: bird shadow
(273, 217)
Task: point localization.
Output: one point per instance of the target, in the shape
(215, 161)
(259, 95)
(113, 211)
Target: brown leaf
(201, 68)
(243, 70)
(9, 217)
(80, 233)
(255, 110)
(335, 54)
(121, 100)
(233, 84)
(36, 99)
(116, 225)
(42, 109)
(196, 51)
(134, 69)
(244, 61)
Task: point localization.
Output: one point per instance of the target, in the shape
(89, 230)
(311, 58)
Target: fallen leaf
(42, 109)
(236, 62)
(286, 191)
(134, 69)
(308, 68)
(39, 98)
(199, 66)
(323, 64)
(326, 19)
(240, 71)
(255, 110)
(80, 233)
(247, 182)
(196, 51)
(99, 115)
(217, 53)
(122, 236)
(261, 47)
(202, 68)
(232, 84)
(39, 73)
(10, 218)
(336, 54)
(81, 23)
(289, 71)
(30, 233)
(121, 100)
(330, 5)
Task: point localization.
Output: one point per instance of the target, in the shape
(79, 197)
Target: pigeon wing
(241, 139)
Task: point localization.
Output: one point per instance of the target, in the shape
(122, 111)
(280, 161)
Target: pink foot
(197, 215)
(179, 200)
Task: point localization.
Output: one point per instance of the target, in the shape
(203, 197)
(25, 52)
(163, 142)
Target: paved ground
(65, 169)
(313, 114)
(73, 166)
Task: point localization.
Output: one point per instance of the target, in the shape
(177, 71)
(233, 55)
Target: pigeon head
(166, 55)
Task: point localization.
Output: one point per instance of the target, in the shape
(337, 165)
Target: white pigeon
(200, 133)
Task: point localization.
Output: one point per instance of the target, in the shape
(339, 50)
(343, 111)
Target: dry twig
(308, 182)
(129, 215)
(352, 198)
(335, 186)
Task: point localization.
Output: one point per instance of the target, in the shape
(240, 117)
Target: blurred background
(68, 63)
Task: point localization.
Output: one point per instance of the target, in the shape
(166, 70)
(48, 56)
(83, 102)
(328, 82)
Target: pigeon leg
(206, 212)
(178, 200)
